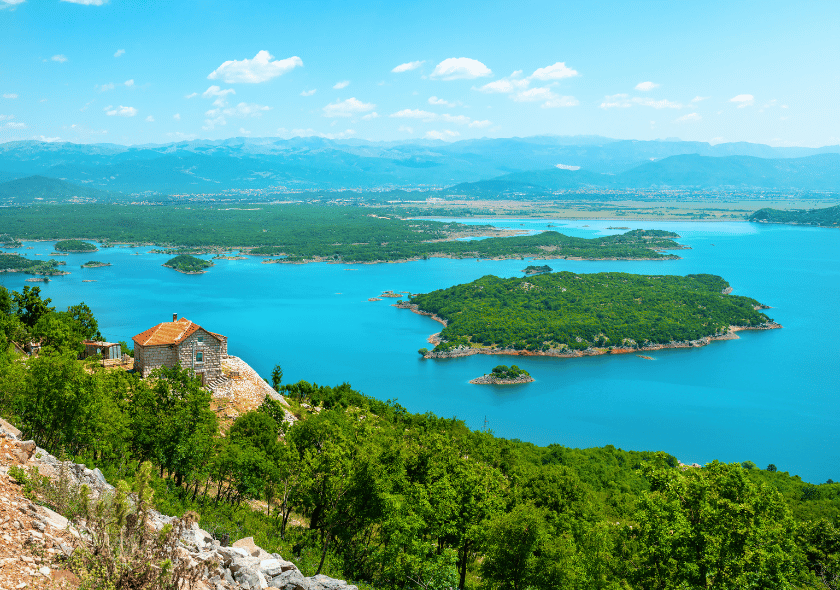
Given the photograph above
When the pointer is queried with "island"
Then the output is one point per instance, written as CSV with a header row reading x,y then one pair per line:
x,y
75,246
95,264
16,263
504,375
536,270
570,315
189,265
827,217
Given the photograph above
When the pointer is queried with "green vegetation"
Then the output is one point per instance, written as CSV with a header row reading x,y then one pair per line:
x,y
15,263
566,311
95,264
535,270
75,246
505,372
188,264
827,217
364,490
310,232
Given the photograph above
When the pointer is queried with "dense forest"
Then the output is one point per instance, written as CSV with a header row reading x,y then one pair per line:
x,y
567,311
309,232
362,489
188,264
827,217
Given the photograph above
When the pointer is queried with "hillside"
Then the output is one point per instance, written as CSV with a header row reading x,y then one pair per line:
x,y
40,189
827,217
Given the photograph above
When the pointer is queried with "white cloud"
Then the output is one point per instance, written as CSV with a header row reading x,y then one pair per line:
x,y
150,119
687,118
221,95
414,114
557,102
566,167
480,124
620,101
405,129
122,111
699,98
177,116
191,95
10,95
6,117
59,58
657,104
106,87
309,92
460,68
129,83
243,131
87,2
506,85
10,3
743,100
412,65
557,71
15,125
646,86
444,135
533,95
342,84
119,52
254,71
370,116
347,108
244,109
48,139
441,102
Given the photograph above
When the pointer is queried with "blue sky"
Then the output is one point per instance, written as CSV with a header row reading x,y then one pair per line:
x,y
147,71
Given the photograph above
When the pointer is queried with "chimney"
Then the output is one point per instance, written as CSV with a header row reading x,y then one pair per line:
x,y
174,317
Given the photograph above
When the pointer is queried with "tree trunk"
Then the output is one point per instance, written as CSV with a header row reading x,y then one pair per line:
x,y
323,553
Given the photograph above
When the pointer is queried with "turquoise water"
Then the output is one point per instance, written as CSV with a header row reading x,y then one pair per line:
x,y
770,397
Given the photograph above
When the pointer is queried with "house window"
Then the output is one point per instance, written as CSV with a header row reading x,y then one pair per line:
x,y
199,357
199,339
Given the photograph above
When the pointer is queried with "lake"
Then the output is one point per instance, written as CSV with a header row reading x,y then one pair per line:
x,y
769,397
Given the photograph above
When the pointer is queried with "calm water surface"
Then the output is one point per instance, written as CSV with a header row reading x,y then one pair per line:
x,y
770,397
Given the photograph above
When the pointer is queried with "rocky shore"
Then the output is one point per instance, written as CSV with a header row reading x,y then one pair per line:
x,y
730,334
36,541
491,379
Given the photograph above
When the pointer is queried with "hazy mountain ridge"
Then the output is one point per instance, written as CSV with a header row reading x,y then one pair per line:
x,y
314,163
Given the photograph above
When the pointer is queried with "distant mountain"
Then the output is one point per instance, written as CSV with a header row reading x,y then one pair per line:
x,y
819,172
313,163
38,189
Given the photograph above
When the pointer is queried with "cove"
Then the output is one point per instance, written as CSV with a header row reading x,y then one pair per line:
x,y
769,397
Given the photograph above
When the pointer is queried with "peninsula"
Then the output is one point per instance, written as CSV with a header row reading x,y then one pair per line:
x,y
15,263
570,315
189,265
827,217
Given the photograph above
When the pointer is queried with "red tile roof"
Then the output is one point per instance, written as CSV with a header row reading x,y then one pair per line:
x,y
170,333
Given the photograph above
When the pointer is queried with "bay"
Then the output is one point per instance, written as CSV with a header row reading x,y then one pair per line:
x,y
769,397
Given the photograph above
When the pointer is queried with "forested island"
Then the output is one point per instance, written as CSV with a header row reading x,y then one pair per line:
x,y
95,264
15,263
827,217
568,314
504,375
189,265
535,270
311,233
365,490
75,246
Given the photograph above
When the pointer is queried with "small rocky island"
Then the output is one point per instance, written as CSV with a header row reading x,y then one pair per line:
x,y
536,270
189,265
504,375
95,264
75,246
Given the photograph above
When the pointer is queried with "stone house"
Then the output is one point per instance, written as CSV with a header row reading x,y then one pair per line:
x,y
180,342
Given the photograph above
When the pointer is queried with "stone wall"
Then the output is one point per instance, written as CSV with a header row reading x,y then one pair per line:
x,y
207,344
149,358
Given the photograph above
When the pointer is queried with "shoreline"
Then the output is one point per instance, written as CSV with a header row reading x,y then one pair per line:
x,y
489,379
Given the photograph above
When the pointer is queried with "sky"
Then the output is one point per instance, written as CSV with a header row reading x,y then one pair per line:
x,y
157,71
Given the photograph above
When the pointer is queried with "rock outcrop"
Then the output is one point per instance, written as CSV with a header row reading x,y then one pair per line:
x,y
33,538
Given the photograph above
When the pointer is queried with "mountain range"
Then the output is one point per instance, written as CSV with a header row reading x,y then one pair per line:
x,y
484,166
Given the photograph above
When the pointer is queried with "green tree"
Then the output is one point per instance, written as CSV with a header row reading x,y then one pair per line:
x,y
276,377
29,305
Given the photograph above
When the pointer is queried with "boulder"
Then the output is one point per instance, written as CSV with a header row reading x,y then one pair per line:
x,y
253,550
289,580
322,582
248,578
